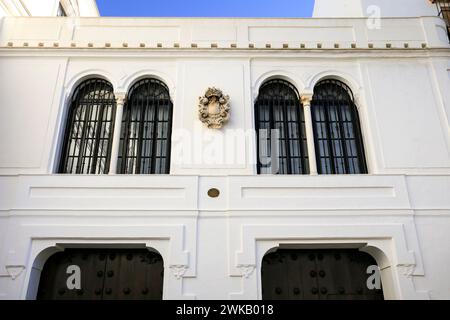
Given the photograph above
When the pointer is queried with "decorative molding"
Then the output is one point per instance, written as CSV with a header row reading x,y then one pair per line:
x,y
306,99
255,94
214,108
14,271
245,248
247,269
357,99
167,240
345,77
130,79
283,74
178,270
79,77
407,269
120,97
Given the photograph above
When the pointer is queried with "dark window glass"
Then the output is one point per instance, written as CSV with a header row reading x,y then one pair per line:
x,y
337,133
146,129
89,129
280,128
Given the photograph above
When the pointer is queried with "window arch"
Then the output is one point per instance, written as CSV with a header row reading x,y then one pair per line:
x,y
337,132
146,129
89,129
280,126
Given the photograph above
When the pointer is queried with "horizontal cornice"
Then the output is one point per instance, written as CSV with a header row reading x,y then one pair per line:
x,y
395,53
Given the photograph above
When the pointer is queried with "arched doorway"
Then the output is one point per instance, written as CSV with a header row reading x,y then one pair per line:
x,y
103,274
332,274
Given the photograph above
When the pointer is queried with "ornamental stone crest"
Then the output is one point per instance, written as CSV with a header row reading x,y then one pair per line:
x,y
214,108
178,270
247,270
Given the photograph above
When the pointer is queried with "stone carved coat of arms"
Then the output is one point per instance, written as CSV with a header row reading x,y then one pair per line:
x,y
214,108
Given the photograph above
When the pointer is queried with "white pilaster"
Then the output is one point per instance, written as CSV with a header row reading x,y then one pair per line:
x,y
120,102
306,101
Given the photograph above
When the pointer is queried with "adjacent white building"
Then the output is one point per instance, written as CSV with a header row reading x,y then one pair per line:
x,y
359,100
48,8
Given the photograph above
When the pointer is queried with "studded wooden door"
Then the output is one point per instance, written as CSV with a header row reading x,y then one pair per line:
x,y
104,275
317,275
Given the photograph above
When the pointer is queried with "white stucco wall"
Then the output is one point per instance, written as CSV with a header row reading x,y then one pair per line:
x,y
213,248
41,7
89,9
48,8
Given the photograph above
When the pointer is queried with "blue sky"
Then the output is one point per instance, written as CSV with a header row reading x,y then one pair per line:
x,y
206,8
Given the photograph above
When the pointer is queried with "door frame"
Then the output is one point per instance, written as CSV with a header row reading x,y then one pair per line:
x,y
302,253
394,286
90,280
42,249
397,252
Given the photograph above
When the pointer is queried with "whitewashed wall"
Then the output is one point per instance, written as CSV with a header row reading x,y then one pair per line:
x,y
48,8
399,212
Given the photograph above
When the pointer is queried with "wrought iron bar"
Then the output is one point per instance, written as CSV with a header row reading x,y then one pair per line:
x,y
278,107
89,124
337,131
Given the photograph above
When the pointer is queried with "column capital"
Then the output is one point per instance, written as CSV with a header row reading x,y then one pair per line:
x,y
306,99
120,97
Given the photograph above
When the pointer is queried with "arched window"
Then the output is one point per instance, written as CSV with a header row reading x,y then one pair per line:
x,y
337,132
280,127
88,138
146,129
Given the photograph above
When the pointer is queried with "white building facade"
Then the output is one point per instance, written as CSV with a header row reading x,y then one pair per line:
x,y
204,205
48,8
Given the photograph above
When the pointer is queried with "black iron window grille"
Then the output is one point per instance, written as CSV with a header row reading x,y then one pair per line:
x,y
89,129
337,132
280,127
443,7
146,129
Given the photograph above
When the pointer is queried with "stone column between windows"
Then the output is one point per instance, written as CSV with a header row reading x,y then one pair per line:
x,y
120,102
306,101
